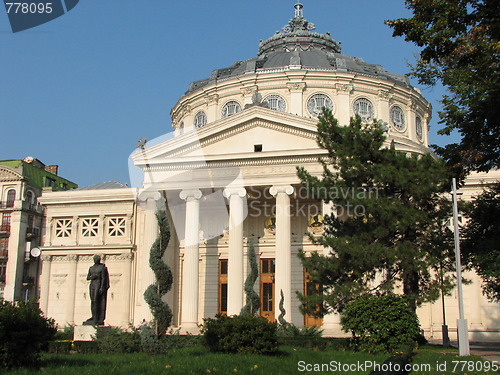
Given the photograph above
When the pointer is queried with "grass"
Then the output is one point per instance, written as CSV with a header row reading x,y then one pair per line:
x,y
195,361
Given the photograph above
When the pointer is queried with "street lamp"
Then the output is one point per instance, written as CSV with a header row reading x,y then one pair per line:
x,y
463,336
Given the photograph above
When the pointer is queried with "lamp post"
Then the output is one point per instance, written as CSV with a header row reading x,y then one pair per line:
x,y
463,336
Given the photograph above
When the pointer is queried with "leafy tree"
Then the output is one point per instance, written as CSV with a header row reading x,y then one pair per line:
x,y
480,247
390,230
460,42
252,304
153,295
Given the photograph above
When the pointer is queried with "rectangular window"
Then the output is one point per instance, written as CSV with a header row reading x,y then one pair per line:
x,y
4,247
268,266
6,217
3,269
267,297
50,182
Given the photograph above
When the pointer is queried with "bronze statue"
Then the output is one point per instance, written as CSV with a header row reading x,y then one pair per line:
x,y
98,288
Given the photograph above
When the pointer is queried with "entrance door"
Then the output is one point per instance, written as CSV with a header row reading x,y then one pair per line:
x,y
222,287
311,289
267,270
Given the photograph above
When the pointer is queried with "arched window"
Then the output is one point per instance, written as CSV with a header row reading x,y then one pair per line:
x,y
11,197
30,197
276,103
364,108
418,127
398,118
200,120
181,128
230,109
317,102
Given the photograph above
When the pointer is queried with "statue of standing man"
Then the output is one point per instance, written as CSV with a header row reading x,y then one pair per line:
x,y
99,285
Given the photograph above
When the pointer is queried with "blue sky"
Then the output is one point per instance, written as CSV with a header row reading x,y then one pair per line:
x,y
81,90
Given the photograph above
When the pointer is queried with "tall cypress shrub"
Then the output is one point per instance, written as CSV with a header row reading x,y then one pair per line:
x,y
153,295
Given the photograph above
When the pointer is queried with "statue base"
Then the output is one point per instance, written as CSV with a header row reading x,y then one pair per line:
x,y
87,332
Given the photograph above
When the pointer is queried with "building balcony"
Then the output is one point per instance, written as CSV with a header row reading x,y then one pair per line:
x,y
33,207
4,253
4,230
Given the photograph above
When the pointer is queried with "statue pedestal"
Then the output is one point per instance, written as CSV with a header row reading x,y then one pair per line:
x,y
87,333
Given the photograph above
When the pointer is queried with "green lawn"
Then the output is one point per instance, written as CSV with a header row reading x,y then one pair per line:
x,y
290,360
197,361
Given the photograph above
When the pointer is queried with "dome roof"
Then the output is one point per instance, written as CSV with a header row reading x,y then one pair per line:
x,y
298,47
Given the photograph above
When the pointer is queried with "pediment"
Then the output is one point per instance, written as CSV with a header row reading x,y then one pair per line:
x,y
239,136
8,174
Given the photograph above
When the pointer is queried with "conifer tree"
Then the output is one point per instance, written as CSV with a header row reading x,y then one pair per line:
x,y
390,228
153,295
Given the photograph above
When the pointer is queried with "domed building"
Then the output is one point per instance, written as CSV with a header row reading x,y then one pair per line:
x,y
228,181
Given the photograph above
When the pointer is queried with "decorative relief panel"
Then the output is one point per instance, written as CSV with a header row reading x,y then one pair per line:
x,y
116,226
63,228
90,227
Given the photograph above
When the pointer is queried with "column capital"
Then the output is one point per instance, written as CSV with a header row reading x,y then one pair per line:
x,y
145,195
190,193
287,189
240,191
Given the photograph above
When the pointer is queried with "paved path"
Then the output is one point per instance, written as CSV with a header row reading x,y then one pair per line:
x,y
489,350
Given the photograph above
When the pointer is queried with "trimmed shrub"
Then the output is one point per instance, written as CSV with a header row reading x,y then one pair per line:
x,y
115,340
24,332
150,343
86,347
67,333
291,330
240,334
380,323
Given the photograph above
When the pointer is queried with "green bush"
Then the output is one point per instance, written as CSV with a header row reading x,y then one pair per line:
x,y
60,347
174,340
115,340
291,330
24,332
67,333
240,334
86,347
151,343
380,323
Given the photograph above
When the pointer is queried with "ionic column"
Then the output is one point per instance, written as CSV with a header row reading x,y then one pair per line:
x,y
127,290
190,274
283,278
235,261
70,313
45,283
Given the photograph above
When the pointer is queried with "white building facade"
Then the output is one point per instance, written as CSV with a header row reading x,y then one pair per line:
x,y
228,179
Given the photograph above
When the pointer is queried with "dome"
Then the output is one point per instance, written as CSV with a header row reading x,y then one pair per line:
x,y
297,72
298,46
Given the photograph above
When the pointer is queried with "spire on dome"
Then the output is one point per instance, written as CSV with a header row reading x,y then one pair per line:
x,y
298,9
298,22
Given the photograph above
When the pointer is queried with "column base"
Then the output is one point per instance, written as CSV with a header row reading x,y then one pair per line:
x,y
189,329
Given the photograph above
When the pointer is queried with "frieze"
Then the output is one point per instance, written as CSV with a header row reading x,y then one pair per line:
x,y
248,91
344,88
119,257
384,94
296,86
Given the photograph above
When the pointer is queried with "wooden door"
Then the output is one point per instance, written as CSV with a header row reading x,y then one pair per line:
x,y
267,294
222,309
310,289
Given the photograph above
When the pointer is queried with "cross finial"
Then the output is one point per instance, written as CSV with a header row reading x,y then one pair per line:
x,y
298,9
